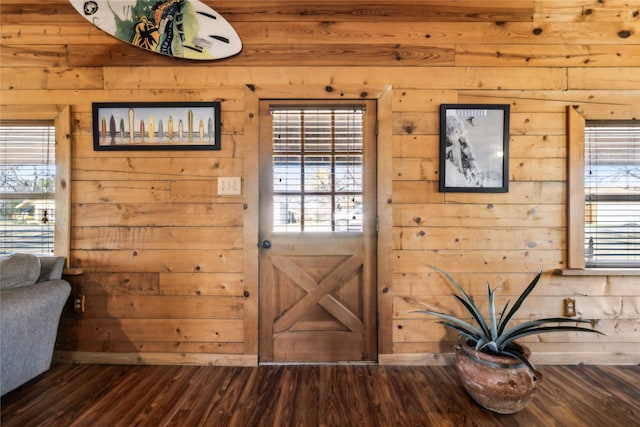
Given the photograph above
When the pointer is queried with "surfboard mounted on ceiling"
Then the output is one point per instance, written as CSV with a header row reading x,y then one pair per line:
x,y
178,28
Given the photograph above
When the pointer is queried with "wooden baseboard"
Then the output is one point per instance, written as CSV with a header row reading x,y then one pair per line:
x,y
438,359
196,359
585,358
416,359
407,359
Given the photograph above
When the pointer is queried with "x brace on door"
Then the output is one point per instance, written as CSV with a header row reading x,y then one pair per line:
x,y
319,293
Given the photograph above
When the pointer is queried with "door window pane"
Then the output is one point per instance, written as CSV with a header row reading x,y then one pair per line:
x,y
317,155
317,213
317,174
287,174
287,213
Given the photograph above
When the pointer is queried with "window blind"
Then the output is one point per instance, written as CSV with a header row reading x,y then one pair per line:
x,y
27,188
612,194
317,168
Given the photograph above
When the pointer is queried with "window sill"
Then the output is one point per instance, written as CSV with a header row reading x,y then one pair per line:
x,y
72,271
599,272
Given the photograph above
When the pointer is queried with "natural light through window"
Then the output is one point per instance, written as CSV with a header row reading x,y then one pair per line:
x,y
612,194
27,188
317,169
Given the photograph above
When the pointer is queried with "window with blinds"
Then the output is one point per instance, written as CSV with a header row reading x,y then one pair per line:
x,y
317,168
612,194
27,188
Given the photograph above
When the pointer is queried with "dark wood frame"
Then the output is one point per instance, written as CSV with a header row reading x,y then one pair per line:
x,y
199,122
481,132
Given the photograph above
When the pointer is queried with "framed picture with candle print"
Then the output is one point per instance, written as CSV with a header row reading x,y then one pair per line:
x,y
474,148
156,126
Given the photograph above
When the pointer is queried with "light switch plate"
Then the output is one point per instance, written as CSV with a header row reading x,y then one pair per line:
x,y
229,186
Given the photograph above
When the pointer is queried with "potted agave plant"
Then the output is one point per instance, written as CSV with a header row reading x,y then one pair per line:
x,y
495,369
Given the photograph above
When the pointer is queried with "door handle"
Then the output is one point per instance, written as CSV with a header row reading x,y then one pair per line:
x,y
266,244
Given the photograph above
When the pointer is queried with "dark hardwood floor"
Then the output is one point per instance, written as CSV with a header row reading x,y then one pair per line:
x,y
317,395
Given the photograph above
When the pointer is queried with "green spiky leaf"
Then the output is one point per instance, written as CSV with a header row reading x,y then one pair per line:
x,y
544,329
519,302
475,313
464,331
466,325
492,314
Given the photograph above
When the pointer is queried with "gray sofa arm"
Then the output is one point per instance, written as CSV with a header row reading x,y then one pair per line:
x,y
51,267
29,319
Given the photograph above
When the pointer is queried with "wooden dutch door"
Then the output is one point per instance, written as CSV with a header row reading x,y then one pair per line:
x,y
317,232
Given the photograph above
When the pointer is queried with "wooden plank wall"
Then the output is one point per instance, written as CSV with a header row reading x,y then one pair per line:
x,y
170,272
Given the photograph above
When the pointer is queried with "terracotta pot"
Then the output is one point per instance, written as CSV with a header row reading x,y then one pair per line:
x,y
501,384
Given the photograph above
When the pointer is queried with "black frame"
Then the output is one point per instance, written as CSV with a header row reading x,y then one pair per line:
x,y
193,126
479,133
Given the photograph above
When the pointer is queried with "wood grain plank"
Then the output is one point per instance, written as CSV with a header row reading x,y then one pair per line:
x,y
520,169
230,147
112,412
149,261
603,78
157,214
586,10
412,169
156,330
67,346
538,169
421,192
35,56
613,102
434,284
163,307
121,192
521,192
228,284
162,238
387,31
201,191
102,283
548,147
480,215
502,238
51,78
520,123
132,169
230,98
548,56
606,308
366,10
422,100
479,260
399,54
332,346
441,352
118,78
575,189
429,10
418,146
310,395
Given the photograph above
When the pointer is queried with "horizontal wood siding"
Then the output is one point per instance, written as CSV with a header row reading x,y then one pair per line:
x,y
170,266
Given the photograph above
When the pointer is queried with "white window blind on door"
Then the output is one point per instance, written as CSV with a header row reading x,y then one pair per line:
x,y
317,168
612,194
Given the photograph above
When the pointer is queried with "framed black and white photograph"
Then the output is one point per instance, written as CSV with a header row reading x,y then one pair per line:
x,y
474,148
156,126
